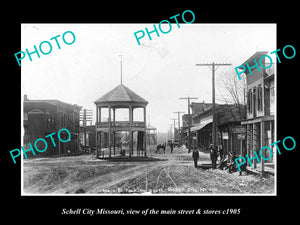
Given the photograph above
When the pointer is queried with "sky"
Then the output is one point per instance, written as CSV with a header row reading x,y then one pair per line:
x,y
160,70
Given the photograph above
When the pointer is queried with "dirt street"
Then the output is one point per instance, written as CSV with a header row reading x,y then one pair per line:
x,y
158,174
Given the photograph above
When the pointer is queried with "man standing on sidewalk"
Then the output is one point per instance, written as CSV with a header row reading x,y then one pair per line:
x,y
171,146
213,156
195,156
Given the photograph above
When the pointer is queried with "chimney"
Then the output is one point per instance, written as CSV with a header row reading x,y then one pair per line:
x,y
25,98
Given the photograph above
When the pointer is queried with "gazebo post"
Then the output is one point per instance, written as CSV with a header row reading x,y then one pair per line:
x,y
114,141
96,137
99,145
145,144
109,130
130,130
114,133
96,141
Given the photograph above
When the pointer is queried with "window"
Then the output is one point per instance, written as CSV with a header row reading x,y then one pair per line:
x,y
138,114
254,102
249,101
25,116
259,98
272,98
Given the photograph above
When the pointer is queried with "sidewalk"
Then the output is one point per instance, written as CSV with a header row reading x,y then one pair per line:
x,y
269,168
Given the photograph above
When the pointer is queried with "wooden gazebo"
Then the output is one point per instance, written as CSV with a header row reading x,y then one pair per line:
x,y
118,98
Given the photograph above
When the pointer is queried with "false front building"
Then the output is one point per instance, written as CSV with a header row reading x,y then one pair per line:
x,y
260,121
109,125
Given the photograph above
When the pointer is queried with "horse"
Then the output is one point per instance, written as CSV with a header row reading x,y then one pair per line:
x,y
158,147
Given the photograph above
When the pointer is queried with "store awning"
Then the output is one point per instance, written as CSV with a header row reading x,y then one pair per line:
x,y
202,124
258,119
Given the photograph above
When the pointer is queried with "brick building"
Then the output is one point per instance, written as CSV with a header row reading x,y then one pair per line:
x,y
43,117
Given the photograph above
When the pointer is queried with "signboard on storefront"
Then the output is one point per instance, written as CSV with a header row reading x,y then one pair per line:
x,y
225,135
241,136
239,130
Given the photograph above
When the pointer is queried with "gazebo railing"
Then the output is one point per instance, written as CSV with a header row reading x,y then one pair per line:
x,y
120,124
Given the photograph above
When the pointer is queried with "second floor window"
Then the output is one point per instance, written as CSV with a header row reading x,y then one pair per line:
x,y
259,98
249,101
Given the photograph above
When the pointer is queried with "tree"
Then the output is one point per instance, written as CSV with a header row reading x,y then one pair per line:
x,y
232,91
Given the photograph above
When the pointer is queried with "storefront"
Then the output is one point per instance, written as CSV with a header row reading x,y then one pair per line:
x,y
260,132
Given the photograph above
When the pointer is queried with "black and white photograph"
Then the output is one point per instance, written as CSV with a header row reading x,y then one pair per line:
x,y
156,109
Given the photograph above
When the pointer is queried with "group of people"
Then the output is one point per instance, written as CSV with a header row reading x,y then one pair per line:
x,y
214,153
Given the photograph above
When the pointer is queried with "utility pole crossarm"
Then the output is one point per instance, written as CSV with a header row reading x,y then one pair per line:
x,y
188,98
216,64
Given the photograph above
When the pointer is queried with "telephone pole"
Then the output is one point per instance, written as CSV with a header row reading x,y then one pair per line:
x,y
212,66
179,135
189,122
174,127
121,56
170,132
85,115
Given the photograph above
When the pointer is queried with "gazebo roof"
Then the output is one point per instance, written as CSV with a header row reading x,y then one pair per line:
x,y
121,93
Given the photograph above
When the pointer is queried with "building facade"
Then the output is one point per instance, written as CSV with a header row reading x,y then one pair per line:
x,y
197,108
87,136
230,132
260,121
43,117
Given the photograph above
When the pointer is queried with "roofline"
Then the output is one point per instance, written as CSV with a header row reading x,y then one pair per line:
x,y
271,76
256,55
112,102
52,102
121,103
209,109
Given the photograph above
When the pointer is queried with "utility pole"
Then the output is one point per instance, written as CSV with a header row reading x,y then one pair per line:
x,y
189,122
121,71
212,66
170,132
174,127
179,135
85,115
121,57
